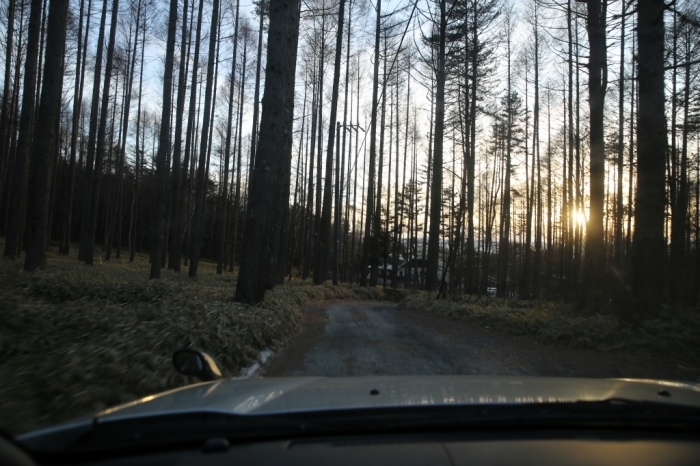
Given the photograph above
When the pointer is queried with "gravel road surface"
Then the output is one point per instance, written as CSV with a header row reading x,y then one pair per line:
x,y
370,338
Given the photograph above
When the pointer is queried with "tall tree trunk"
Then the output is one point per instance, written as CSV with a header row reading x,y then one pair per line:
x,y
471,159
619,208
536,163
101,137
135,211
323,251
525,277
201,192
237,200
679,264
115,233
504,243
261,6
223,203
49,112
597,84
345,130
649,245
77,110
192,122
319,155
92,136
368,242
177,201
6,94
307,231
679,225
266,203
436,188
377,220
158,231
19,179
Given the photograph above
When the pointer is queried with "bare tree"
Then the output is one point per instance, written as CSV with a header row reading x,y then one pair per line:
x,y
48,115
158,232
261,239
649,246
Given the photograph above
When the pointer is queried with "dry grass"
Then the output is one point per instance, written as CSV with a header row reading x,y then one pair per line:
x,y
75,339
673,336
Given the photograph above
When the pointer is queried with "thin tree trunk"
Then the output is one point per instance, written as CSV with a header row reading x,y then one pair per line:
x,y
7,87
619,208
118,214
436,188
308,235
368,242
77,109
237,201
200,195
158,231
262,4
175,239
192,121
19,179
223,200
135,215
101,136
92,136
324,241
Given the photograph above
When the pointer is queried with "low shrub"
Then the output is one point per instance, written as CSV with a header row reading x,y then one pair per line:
x,y
75,339
558,323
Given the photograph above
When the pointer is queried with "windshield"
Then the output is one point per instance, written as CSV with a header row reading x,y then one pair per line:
x,y
344,188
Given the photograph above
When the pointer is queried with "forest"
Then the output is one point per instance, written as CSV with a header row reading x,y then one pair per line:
x,y
530,149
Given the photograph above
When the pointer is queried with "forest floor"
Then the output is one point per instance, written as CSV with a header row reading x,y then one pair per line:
x,y
674,336
75,339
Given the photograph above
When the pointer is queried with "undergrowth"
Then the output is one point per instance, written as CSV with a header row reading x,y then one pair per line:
x,y
673,336
76,339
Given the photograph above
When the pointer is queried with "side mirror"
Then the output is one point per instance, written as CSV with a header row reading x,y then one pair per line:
x,y
196,363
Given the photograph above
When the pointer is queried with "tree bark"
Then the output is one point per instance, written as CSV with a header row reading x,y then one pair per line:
x,y
92,136
101,136
223,203
324,241
175,240
597,83
436,188
6,97
200,195
261,5
19,179
77,110
261,240
135,210
649,246
368,242
49,112
158,231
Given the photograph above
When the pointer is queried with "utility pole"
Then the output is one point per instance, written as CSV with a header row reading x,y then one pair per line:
x,y
340,162
336,229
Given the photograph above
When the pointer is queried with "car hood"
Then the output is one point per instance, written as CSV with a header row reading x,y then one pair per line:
x,y
285,395
289,394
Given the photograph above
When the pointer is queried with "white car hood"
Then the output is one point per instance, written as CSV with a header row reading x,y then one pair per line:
x,y
286,395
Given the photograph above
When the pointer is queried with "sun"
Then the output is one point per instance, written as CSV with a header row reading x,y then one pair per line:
x,y
579,217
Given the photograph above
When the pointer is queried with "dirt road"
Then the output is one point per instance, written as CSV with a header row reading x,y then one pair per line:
x,y
369,338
